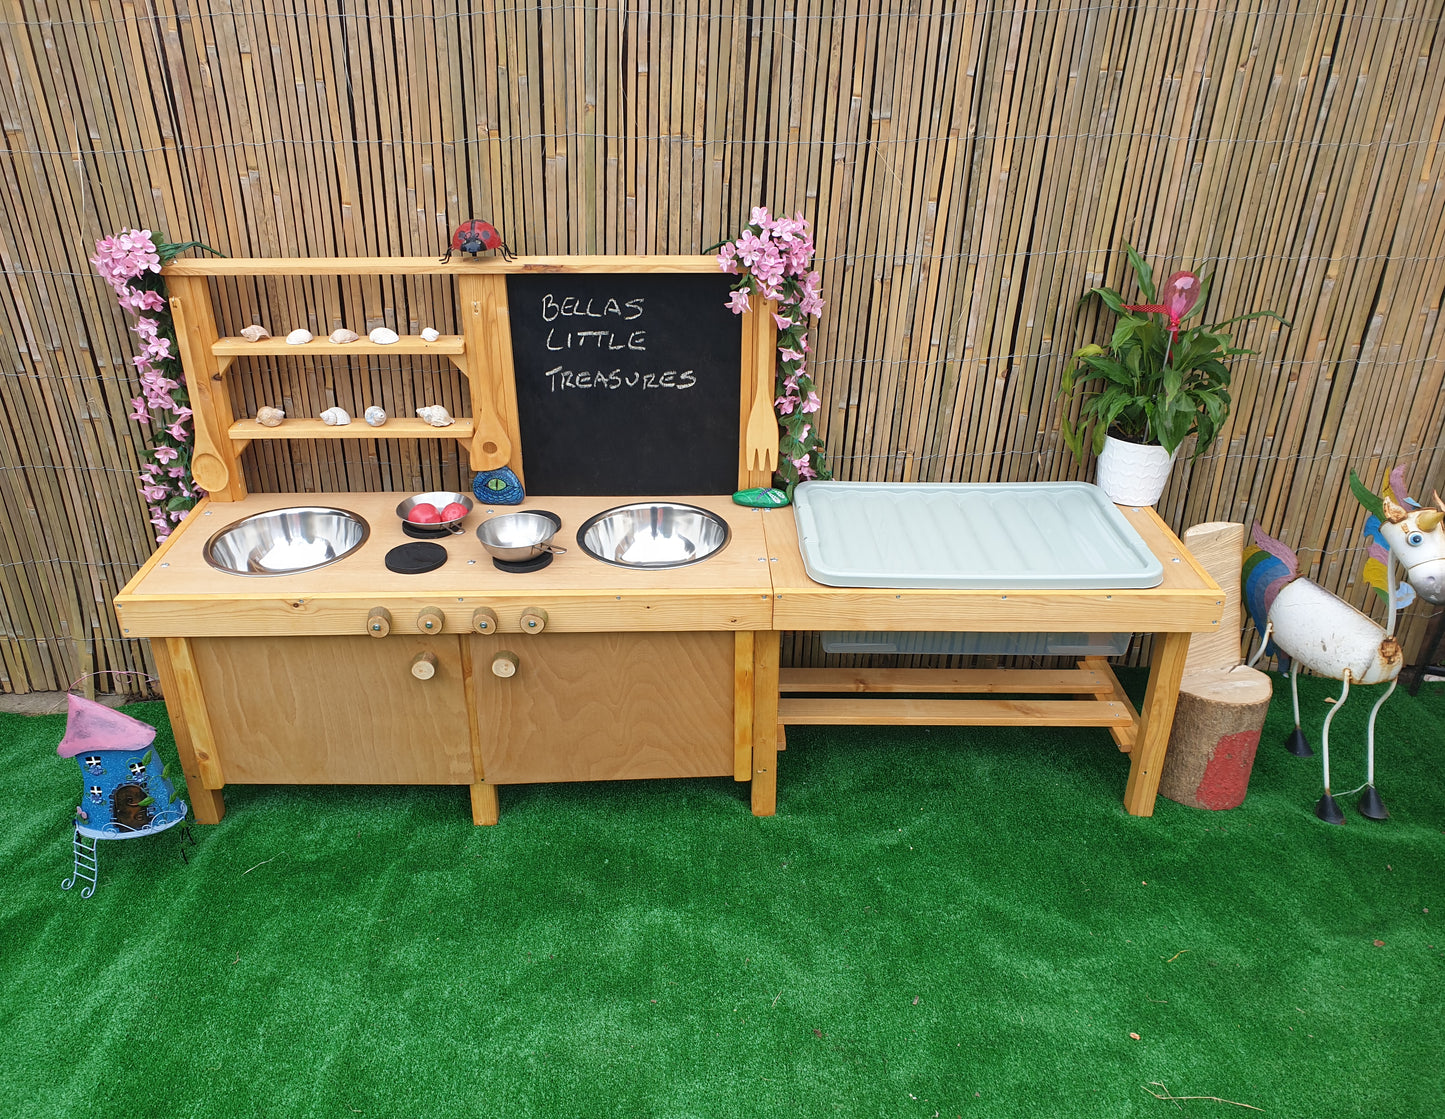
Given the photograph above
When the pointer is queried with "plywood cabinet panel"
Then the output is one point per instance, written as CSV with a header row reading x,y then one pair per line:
x,y
336,710
604,706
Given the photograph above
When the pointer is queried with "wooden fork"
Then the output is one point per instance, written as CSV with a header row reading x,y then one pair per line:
x,y
761,437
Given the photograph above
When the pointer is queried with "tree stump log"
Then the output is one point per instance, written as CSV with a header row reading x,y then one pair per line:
x,y
1215,735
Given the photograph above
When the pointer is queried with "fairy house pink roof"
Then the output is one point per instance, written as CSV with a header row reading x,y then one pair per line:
x,y
91,727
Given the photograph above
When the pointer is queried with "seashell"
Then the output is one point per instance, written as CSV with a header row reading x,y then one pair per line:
x,y
435,415
335,417
254,333
431,334
384,336
299,337
269,417
341,335
375,416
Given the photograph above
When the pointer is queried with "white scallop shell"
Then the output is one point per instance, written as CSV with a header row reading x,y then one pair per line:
x,y
341,335
299,337
375,416
431,334
384,336
269,417
254,333
435,415
335,417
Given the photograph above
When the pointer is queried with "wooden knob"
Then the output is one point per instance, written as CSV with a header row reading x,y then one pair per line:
x,y
504,665
378,621
430,619
534,620
424,665
485,620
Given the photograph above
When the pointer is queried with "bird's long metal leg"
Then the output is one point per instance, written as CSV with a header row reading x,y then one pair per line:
x,y
1326,808
1370,804
1297,744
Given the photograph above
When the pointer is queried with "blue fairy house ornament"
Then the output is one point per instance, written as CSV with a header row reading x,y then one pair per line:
x,y
126,789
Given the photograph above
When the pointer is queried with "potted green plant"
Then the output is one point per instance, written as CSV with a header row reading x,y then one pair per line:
x,y
1153,385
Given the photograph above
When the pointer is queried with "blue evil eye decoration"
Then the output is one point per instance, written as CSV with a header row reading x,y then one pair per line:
x,y
1415,539
498,487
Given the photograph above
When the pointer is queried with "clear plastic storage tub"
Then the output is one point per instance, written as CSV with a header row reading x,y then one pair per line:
x,y
977,644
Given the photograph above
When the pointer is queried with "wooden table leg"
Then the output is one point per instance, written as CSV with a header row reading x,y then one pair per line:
x,y
485,810
1156,717
192,728
484,804
765,723
743,666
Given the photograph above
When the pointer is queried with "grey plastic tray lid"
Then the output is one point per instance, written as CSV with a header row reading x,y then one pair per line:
x,y
951,535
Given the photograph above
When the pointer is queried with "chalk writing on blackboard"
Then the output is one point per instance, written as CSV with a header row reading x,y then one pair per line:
x,y
560,380
626,384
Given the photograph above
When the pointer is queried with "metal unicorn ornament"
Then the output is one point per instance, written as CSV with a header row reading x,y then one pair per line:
x,y
1328,636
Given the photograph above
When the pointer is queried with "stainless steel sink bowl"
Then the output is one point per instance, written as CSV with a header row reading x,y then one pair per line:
x,y
653,534
286,541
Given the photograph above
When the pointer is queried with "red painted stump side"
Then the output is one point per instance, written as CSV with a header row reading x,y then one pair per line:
x,y
1213,743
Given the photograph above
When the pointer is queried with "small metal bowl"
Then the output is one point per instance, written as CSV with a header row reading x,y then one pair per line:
x,y
286,541
441,499
521,536
653,535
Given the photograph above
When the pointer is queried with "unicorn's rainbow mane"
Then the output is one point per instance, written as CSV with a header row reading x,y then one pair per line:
x,y
1268,567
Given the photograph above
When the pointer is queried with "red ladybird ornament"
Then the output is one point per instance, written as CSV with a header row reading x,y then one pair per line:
x,y
472,237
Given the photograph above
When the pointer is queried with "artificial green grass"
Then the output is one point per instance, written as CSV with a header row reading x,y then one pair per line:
x,y
937,922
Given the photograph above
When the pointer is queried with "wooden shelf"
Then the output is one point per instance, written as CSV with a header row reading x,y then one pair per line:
x,y
459,266
401,428
448,345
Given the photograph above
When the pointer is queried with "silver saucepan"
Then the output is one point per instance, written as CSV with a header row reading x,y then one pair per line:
x,y
441,499
521,536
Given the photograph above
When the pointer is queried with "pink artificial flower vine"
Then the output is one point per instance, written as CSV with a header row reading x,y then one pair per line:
x,y
773,257
131,262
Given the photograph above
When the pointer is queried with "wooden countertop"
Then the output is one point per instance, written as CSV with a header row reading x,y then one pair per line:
x,y
1187,600
177,594
757,582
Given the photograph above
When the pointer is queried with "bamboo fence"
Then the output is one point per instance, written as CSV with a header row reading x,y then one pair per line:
x,y
970,172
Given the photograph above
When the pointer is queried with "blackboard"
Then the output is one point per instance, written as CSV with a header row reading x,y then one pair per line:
x,y
627,384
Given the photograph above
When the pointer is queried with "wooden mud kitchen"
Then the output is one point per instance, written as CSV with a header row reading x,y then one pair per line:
x,y
297,643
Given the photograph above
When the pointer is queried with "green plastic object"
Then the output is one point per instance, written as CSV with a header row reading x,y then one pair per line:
x,y
761,497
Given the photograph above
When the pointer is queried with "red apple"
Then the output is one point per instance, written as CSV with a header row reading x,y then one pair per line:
x,y
454,512
425,514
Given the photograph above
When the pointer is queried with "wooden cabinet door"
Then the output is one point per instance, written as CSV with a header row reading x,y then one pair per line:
x,y
604,706
336,710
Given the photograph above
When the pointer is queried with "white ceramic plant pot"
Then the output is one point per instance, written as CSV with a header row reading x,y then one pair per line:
x,y
1133,473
